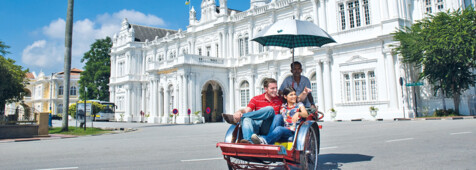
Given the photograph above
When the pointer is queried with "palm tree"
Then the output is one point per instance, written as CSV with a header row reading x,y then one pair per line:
x,y
67,62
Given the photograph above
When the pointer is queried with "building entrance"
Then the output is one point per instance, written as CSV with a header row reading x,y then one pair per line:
x,y
212,98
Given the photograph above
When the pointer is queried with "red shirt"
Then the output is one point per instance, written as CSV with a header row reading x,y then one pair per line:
x,y
260,101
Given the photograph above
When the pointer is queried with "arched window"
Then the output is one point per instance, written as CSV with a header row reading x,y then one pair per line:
x,y
244,93
60,90
72,91
59,109
314,87
27,93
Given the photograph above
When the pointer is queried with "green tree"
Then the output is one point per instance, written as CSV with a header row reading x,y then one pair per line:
x,y
12,79
97,70
443,46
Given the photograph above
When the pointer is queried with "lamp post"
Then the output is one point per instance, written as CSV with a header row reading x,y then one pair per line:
x,y
85,94
403,99
51,92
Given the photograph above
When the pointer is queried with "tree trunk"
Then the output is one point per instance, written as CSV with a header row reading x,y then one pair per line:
x,y
2,108
67,63
456,100
443,98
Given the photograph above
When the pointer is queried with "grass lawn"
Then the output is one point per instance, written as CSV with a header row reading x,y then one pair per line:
x,y
78,131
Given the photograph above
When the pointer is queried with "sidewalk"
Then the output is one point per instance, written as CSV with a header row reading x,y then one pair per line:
x,y
49,137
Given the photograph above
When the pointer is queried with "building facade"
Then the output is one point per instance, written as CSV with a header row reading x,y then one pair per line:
x,y
214,67
45,93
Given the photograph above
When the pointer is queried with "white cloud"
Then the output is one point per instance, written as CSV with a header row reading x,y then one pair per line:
x,y
133,17
49,52
42,54
55,29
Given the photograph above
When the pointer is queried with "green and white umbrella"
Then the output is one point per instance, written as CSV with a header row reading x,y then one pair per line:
x,y
292,33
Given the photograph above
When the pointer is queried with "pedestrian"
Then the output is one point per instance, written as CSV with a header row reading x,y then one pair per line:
x,y
142,116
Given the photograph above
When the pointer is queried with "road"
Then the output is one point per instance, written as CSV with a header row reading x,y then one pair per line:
x,y
436,144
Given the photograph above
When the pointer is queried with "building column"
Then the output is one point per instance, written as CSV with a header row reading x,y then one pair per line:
x,y
194,92
165,117
315,11
155,103
323,14
143,106
327,85
384,9
112,94
175,103
183,115
160,101
127,103
252,85
231,96
393,8
320,87
391,79
186,105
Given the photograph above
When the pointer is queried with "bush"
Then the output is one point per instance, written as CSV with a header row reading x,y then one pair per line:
x,y
443,113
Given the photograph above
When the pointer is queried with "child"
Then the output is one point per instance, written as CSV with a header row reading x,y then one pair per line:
x,y
291,111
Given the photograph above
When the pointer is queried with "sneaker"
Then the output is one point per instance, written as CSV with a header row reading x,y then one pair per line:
x,y
256,139
229,118
245,141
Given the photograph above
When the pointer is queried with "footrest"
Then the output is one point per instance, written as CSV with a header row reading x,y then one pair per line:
x,y
252,150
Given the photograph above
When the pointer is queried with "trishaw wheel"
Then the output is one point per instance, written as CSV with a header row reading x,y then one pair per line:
x,y
309,156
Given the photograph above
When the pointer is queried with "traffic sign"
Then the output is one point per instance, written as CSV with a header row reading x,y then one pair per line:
x,y
414,84
208,110
175,111
189,111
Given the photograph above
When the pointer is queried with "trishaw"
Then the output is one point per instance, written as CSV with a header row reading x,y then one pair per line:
x,y
300,151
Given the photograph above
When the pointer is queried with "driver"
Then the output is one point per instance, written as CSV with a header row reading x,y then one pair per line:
x,y
300,83
259,116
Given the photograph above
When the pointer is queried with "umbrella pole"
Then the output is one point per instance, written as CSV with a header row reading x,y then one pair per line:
x,y
293,55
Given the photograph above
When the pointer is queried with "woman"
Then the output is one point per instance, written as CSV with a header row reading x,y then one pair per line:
x,y
291,111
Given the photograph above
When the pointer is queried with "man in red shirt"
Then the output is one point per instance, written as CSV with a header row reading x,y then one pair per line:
x,y
261,114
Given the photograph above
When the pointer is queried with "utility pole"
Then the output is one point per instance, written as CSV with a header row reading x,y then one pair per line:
x,y
51,91
67,62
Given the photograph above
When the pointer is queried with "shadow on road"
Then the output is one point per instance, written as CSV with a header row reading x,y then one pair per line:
x,y
335,160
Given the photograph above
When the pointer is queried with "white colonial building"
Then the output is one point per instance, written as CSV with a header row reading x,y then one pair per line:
x,y
213,64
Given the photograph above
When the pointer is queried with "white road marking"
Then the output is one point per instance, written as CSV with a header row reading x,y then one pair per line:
x,y
206,159
332,147
398,140
459,133
59,168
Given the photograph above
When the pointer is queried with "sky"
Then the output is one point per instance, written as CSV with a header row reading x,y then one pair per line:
x,y
35,29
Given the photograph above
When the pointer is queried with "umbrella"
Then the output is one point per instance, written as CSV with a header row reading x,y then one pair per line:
x,y
292,33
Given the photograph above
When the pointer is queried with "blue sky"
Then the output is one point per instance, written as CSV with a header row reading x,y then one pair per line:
x,y
34,29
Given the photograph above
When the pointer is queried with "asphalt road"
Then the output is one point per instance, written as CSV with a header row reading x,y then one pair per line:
x,y
436,144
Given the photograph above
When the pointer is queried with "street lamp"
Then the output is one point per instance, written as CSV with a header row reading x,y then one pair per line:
x,y
51,92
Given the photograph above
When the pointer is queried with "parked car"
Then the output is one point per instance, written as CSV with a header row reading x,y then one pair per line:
x,y
56,117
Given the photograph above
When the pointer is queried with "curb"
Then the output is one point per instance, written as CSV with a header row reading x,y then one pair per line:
x,y
61,136
403,119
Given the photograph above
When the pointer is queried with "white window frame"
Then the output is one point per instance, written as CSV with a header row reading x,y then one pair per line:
x,y
314,87
359,88
244,93
72,91
60,90
353,14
